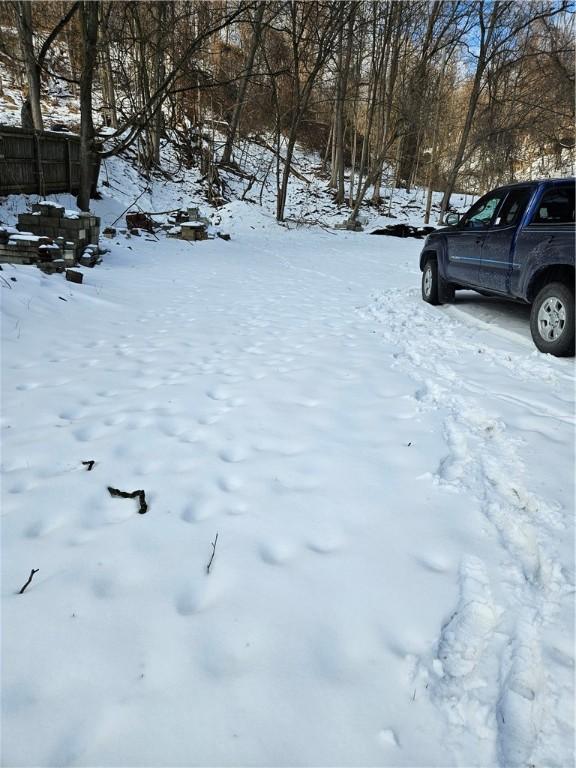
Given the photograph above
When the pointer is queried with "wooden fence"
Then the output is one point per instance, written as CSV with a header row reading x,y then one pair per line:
x,y
38,162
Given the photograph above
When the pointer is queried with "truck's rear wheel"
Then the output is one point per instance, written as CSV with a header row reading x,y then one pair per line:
x,y
552,320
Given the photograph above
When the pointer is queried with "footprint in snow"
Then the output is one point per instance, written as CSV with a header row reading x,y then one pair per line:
x,y
88,433
233,455
28,386
207,419
388,738
104,587
434,562
198,597
218,393
236,509
230,483
198,509
326,542
466,633
44,526
277,552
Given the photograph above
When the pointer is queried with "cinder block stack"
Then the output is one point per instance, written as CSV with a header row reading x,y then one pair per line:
x,y
72,231
26,248
193,230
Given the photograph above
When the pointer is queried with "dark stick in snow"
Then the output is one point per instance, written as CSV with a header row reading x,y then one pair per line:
x,y
89,464
213,553
32,572
131,495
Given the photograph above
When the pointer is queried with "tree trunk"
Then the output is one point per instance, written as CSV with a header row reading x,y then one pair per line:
x,y
107,77
157,123
283,191
23,11
233,128
486,36
89,42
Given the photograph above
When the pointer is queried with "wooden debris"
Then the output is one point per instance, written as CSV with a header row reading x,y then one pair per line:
x,y
73,276
32,572
138,220
213,553
140,495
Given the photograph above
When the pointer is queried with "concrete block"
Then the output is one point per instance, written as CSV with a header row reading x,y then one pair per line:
x,y
16,259
73,224
52,211
73,276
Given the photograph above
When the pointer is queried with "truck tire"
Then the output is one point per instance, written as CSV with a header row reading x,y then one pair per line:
x,y
430,282
434,289
552,320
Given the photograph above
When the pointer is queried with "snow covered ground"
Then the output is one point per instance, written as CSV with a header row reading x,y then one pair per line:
x,y
391,485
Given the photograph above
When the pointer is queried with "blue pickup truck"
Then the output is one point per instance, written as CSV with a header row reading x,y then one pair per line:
x,y
516,242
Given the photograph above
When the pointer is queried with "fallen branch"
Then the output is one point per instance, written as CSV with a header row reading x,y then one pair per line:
x,y
131,495
213,553
89,464
130,206
32,572
160,213
310,223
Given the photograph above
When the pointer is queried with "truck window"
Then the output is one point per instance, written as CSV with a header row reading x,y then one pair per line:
x,y
555,207
482,212
513,207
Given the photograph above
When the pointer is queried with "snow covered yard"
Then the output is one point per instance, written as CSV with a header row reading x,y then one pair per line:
x,y
391,485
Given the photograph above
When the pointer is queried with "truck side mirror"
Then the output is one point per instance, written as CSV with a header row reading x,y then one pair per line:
x,y
452,219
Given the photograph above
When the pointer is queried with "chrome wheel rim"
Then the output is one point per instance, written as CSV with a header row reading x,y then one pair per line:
x,y
427,281
551,319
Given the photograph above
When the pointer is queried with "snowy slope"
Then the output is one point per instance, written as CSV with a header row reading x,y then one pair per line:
x,y
391,485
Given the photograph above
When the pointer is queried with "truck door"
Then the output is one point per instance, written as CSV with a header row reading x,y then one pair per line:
x,y
464,242
543,239
496,261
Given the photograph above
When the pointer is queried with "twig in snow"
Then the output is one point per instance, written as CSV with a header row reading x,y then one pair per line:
x,y
213,553
131,495
89,464
6,281
32,572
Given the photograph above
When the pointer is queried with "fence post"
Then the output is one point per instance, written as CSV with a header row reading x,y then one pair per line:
x,y
38,161
68,166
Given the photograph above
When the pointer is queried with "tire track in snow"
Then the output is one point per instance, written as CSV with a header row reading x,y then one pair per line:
x,y
482,640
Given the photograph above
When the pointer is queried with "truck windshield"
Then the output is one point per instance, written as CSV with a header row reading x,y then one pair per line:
x,y
482,212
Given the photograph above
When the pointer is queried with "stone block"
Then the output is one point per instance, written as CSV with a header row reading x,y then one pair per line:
x,y
73,276
193,231
45,209
51,267
28,220
16,259
73,224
